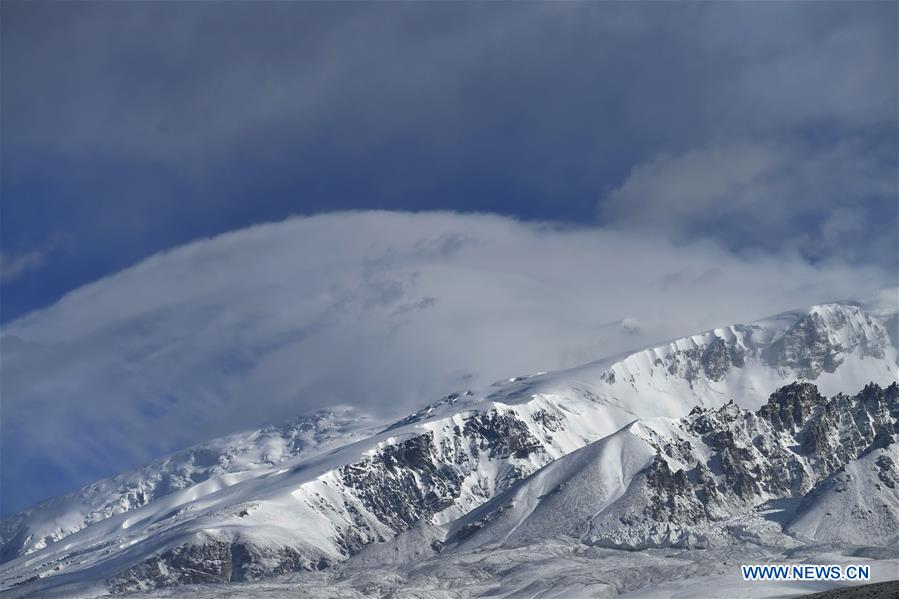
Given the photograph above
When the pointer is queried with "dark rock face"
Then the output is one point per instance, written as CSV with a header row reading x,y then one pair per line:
x,y
502,436
887,473
789,407
718,358
209,562
675,499
809,347
794,442
713,361
415,478
686,363
806,348
549,421
844,427
404,482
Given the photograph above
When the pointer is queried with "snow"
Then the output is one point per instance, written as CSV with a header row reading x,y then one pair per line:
x,y
559,498
857,505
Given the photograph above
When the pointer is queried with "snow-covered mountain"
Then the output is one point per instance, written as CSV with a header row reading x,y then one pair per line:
x,y
235,510
691,482
203,469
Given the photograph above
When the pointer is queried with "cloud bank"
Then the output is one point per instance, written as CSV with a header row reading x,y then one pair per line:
x,y
819,201
134,127
382,310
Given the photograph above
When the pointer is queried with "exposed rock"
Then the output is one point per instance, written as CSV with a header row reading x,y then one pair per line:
x,y
716,360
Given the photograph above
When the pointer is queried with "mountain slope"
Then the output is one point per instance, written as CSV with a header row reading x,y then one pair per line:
x,y
858,504
439,464
203,468
690,482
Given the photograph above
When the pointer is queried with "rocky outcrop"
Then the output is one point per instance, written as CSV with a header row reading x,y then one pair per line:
x,y
210,561
819,341
719,356
733,460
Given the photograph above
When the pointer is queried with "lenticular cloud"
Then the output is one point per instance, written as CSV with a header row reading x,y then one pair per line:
x,y
383,311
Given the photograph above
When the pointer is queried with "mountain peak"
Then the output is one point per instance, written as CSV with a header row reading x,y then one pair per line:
x,y
789,407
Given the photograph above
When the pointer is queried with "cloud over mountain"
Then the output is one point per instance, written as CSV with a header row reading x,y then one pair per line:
x,y
381,310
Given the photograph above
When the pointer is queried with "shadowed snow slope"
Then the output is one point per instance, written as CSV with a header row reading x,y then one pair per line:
x,y
316,492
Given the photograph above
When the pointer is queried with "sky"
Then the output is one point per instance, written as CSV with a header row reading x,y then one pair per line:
x,y
214,215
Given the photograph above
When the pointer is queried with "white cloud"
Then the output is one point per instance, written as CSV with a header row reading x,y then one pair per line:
x,y
13,266
772,195
383,310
